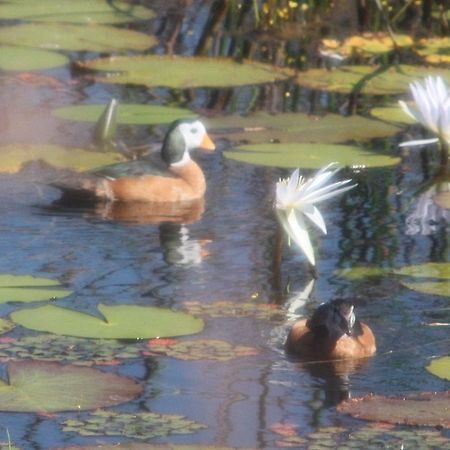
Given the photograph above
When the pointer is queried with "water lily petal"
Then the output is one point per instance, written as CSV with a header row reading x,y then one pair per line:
x,y
328,192
419,142
315,217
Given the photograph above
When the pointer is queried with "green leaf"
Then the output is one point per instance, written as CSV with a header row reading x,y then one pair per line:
x,y
25,288
343,79
183,72
13,156
79,11
392,114
440,367
56,36
50,387
20,59
435,50
430,287
120,322
428,270
131,113
362,272
298,127
309,156
5,326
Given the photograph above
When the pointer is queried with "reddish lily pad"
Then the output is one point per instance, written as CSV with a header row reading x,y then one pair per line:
x,y
75,37
440,367
50,387
183,72
427,408
142,425
206,349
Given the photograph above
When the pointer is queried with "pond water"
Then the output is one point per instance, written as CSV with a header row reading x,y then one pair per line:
x,y
227,250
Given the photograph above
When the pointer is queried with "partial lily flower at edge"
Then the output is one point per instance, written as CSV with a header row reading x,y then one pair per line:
x,y
296,198
431,109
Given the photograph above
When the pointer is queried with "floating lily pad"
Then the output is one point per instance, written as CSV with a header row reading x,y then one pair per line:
x,y
428,408
139,446
13,156
435,50
25,288
58,36
79,351
430,287
20,58
343,79
206,349
428,270
79,11
126,113
361,273
297,127
142,425
225,308
49,387
392,114
118,322
183,72
309,156
440,367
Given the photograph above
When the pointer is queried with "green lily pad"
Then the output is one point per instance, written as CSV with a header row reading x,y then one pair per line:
x,y
297,127
428,270
25,288
440,367
50,387
142,425
130,113
395,80
435,50
206,349
430,287
78,351
428,408
361,273
183,72
13,156
119,322
308,156
20,59
224,308
58,36
392,114
79,11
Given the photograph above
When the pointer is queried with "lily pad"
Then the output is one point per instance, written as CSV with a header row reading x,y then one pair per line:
x,y
435,50
224,308
393,81
6,325
309,156
130,113
440,367
79,11
20,59
118,322
79,351
25,288
13,156
142,425
50,387
201,349
392,114
297,127
428,408
430,287
428,270
361,272
183,72
58,36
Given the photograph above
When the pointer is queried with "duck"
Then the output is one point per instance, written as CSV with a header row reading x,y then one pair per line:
x,y
174,177
332,332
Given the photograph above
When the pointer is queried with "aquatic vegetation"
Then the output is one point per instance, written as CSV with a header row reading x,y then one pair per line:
x,y
112,322
297,196
440,367
37,386
20,58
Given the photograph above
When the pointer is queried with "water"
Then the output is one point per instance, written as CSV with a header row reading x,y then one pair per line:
x,y
227,250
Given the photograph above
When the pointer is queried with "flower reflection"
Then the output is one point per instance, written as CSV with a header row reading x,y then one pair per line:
x,y
296,197
431,208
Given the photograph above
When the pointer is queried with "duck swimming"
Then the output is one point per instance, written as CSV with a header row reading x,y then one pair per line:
x,y
332,332
175,177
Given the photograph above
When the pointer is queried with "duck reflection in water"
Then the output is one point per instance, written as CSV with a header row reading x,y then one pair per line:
x,y
332,343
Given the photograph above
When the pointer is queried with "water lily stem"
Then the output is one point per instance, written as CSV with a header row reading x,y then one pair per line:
x,y
444,157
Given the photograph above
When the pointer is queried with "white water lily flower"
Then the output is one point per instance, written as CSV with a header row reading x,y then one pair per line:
x,y
296,197
431,109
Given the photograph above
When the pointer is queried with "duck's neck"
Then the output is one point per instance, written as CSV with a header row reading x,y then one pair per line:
x,y
192,174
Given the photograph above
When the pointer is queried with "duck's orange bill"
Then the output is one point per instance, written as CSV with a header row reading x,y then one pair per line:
x,y
207,143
